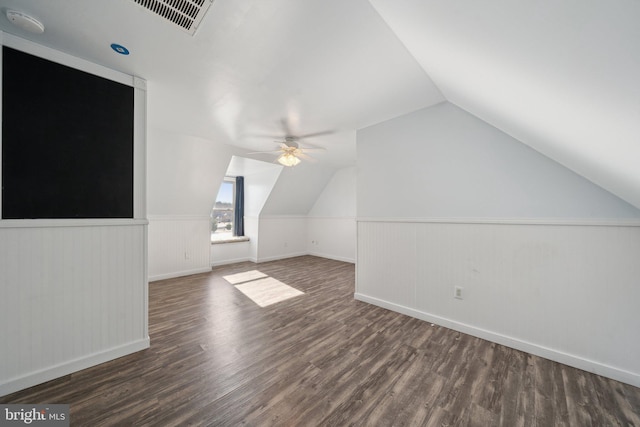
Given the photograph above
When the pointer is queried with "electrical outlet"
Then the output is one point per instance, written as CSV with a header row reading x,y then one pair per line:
x,y
458,292
286,244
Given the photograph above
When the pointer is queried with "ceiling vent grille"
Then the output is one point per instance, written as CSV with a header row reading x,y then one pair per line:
x,y
187,14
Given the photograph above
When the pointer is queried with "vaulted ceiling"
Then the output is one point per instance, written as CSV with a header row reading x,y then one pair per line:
x,y
560,76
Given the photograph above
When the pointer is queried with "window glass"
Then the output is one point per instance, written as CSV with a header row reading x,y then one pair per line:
x,y
222,213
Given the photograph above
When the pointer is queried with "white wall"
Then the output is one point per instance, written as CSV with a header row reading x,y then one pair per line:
x,y
443,162
565,292
338,198
331,224
259,180
311,210
282,224
230,253
286,234
333,238
277,201
297,189
73,292
185,173
281,237
547,260
251,227
178,245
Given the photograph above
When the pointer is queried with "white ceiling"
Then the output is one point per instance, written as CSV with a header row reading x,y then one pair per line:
x,y
561,76
321,65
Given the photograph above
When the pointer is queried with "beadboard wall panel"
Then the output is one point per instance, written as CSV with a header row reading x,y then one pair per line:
x,y
567,292
285,236
230,253
388,272
281,237
251,230
332,237
71,297
178,246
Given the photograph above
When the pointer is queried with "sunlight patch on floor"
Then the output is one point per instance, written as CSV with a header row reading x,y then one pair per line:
x,y
247,276
262,289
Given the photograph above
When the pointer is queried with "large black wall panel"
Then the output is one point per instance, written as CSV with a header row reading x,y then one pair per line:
x,y
67,141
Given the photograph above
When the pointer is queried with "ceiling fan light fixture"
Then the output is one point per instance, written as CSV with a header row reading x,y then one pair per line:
x,y
288,159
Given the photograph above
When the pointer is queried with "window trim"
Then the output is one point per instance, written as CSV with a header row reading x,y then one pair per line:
x,y
234,239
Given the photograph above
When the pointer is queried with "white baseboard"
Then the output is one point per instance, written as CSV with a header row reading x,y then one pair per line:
x,y
535,349
179,274
336,258
278,257
71,366
231,261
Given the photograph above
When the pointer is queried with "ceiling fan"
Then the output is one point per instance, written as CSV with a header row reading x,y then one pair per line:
x,y
290,151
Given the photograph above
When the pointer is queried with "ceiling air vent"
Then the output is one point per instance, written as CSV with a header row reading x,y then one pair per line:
x,y
187,14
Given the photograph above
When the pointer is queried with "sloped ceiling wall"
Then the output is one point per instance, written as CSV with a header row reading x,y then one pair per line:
x,y
259,180
338,198
559,76
461,167
184,173
297,190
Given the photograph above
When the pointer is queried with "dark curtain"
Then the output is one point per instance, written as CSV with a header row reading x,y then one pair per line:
x,y
238,213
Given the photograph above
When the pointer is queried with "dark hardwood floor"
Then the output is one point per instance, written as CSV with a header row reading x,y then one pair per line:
x,y
217,358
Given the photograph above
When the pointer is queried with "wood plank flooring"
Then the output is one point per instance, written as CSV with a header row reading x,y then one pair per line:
x,y
218,359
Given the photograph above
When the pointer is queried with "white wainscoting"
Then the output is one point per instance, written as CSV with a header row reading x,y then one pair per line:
x,y
281,237
332,237
251,230
72,294
179,245
230,253
564,291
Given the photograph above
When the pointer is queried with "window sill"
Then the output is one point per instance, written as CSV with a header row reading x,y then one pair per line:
x,y
230,240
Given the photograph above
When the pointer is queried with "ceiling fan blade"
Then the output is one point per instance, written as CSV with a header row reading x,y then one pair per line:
x,y
307,158
313,149
264,135
266,152
314,134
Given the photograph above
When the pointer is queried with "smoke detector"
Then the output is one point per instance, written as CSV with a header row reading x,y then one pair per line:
x,y
24,21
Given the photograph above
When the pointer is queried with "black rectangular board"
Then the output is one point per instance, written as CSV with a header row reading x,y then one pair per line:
x,y
67,141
